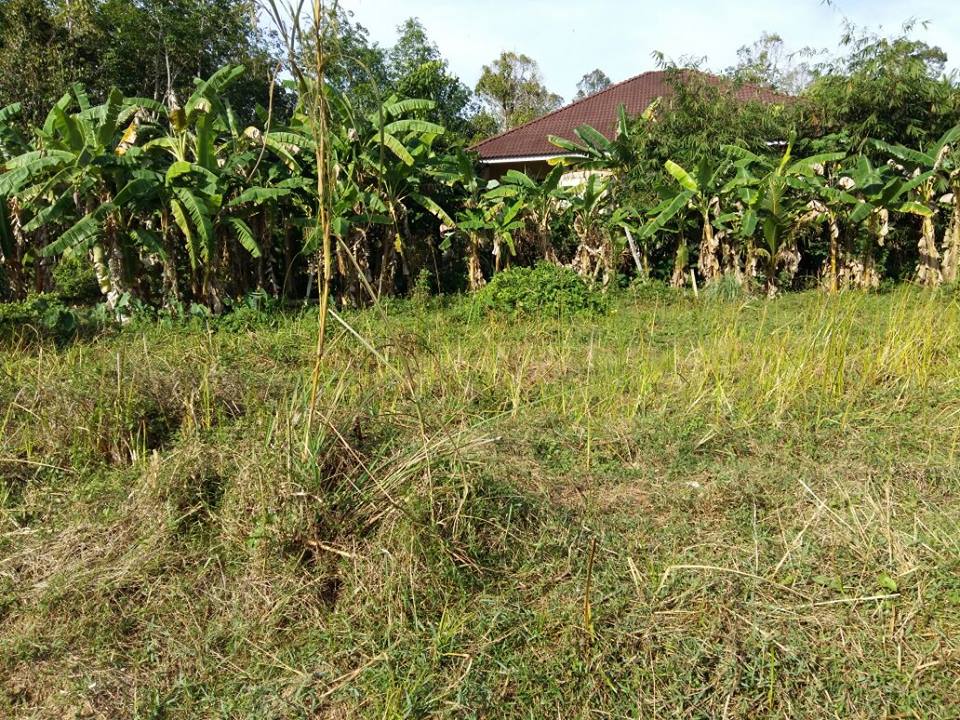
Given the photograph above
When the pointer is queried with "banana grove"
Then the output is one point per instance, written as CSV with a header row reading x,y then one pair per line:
x,y
181,205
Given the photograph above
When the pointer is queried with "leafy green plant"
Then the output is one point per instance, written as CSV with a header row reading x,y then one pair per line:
x,y
421,292
544,289
39,317
75,280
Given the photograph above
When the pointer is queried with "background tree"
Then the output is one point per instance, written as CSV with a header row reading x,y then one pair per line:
x,y
417,70
592,83
892,89
359,67
144,49
512,89
768,63
37,61
412,49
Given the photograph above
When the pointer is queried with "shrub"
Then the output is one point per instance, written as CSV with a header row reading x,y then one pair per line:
x,y
727,288
543,289
75,280
654,291
421,292
38,317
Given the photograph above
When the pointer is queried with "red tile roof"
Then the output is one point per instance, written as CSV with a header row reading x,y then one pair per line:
x,y
600,111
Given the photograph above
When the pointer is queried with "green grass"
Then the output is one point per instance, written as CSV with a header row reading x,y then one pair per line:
x,y
679,509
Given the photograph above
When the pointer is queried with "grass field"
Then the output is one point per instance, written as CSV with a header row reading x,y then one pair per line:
x,y
681,509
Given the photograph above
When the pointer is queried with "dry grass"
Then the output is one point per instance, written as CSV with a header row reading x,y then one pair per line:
x,y
771,489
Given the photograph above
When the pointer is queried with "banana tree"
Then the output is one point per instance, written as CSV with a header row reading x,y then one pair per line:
x,y
862,201
597,153
459,171
503,220
541,203
704,190
629,221
213,181
13,248
80,177
775,197
595,252
396,161
659,218
490,214
939,166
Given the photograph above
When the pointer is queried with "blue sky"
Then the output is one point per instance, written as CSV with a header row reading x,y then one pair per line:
x,y
571,37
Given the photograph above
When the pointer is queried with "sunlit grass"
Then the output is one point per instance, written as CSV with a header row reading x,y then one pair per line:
x,y
771,489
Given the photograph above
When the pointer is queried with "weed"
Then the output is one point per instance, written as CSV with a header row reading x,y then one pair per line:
x,y
545,289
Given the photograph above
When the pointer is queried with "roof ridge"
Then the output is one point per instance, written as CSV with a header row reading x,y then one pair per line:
x,y
565,107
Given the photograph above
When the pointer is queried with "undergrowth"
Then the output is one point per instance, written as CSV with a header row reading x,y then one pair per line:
x,y
545,289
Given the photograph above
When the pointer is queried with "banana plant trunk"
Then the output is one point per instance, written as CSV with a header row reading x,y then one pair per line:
x,y
834,253
582,261
709,249
641,261
951,254
730,257
386,284
171,277
679,277
750,261
354,268
475,279
102,271
546,246
929,270
109,265
879,225
16,275
606,256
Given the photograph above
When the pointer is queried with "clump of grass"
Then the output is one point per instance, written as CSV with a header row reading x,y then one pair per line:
x,y
680,508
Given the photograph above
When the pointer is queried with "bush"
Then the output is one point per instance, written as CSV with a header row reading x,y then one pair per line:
x,y
421,293
727,288
654,291
39,317
543,289
75,280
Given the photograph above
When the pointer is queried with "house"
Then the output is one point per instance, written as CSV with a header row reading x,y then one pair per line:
x,y
527,147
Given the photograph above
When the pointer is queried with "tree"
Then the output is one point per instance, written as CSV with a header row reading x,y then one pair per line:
x,y
768,64
14,251
933,171
541,203
704,188
696,120
592,83
890,89
354,64
144,49
412,49
79,181
513,90
775,194
595,253
156,49
36,62
417,70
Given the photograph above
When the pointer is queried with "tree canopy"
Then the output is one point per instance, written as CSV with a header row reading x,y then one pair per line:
x,y
592,83
512,89
150,50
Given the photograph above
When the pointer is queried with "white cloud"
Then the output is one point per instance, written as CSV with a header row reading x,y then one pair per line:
x,y
571,37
